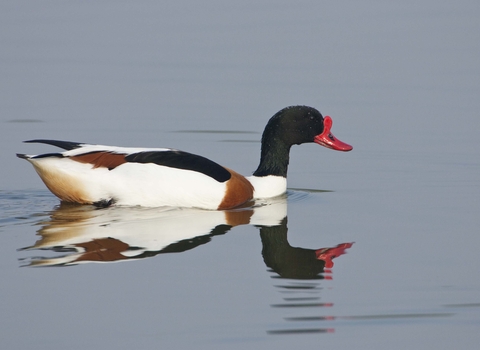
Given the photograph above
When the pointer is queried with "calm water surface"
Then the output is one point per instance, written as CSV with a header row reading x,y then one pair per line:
x,y
372,249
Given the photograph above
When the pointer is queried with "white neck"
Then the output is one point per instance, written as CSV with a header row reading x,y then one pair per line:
x,y
268,186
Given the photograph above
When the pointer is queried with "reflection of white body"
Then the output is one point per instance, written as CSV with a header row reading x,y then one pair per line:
x,y
143,229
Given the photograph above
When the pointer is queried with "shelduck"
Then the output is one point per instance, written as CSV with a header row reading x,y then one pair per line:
x,y
152,177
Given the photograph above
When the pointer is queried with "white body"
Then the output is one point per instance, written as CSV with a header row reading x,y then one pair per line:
x,y
148,185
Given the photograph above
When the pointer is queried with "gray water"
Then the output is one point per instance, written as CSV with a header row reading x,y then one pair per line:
x,y
399,212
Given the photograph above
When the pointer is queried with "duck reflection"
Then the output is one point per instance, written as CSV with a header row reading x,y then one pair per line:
x,y
296,263
83,234
300,269
86,235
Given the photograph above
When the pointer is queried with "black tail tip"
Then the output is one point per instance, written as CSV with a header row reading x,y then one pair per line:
x,y
67,145
22,156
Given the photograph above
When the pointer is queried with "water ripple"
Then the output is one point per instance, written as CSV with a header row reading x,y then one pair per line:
x,y
26,206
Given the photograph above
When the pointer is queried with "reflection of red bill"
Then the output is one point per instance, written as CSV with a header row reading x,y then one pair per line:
x,y
327,254
327,139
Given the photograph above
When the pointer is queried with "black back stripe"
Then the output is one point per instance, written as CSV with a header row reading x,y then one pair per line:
x,y
182,160
48,155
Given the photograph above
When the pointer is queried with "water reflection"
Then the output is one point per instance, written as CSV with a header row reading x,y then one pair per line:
x,y
296,263
82,234
300,270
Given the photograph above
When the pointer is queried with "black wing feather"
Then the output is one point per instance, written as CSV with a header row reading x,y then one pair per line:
x,y
182,160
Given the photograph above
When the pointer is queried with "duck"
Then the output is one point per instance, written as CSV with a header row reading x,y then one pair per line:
x,y
103,176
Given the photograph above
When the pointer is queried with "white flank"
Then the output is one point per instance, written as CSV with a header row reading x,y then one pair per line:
x,y
152,185
131,184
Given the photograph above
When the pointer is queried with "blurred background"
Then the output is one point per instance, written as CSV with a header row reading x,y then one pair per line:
x,y
130,73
